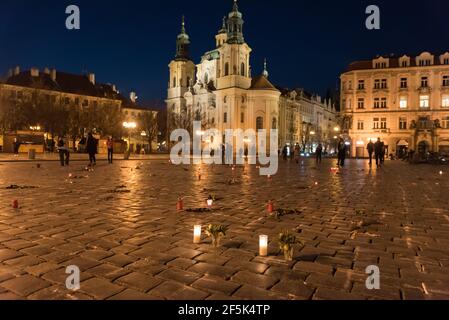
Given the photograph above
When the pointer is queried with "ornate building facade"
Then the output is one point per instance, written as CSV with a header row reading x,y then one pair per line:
x,y
51,88
222,92
402,100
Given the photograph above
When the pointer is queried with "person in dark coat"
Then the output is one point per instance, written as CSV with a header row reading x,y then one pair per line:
x,y
110,145
378,152
91,148
16,146
370,149
341,152
319,153
64,153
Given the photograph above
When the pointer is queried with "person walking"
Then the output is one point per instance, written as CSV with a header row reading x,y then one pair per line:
x,y
319,153
16,147
341,152
378,150
370,149
384,152
229,154
284,153
91,148
297,153
110,145
64,154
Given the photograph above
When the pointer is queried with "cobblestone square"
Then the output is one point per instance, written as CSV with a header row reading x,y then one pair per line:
x,y
119,224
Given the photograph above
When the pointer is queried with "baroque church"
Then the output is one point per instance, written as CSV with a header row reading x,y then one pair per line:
x,y
221,89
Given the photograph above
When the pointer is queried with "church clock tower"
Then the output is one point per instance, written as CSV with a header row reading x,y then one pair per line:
x,y
182,73
234,71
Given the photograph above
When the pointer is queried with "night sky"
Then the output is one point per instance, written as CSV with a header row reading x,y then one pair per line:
x,y
130,43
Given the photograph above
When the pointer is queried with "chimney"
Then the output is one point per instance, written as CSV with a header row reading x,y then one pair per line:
x,y
92,78
17,71
34,72
133,97
47,71
53,75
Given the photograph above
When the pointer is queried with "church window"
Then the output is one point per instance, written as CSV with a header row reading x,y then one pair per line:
x,y
174,82
225,117
242,117
188,81
259,123
226,69
274,124
234,69
242,69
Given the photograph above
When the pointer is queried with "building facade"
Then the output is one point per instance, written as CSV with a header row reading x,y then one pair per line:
x,y
307,120
62,91
222,93
402,100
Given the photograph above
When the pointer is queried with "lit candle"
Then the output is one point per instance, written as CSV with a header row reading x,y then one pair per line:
x,y
210,202
263,246
197,234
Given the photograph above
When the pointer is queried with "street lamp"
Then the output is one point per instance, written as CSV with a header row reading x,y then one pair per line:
x,y
129,126
337,129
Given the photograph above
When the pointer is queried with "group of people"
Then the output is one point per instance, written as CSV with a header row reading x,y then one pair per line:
x,y
295,153
91,149
379,150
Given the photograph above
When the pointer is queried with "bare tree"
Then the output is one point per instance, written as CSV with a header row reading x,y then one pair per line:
x,y
149,124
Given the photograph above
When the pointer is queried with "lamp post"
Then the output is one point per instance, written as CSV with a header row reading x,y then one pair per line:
x,y
129,126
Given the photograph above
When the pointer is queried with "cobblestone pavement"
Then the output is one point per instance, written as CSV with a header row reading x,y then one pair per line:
x,y
9,157
120,226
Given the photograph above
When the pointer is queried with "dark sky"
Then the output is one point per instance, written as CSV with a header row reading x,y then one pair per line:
x,y
130,43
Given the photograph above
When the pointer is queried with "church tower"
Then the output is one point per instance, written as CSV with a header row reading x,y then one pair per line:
x,y
234,69
182,73
222,36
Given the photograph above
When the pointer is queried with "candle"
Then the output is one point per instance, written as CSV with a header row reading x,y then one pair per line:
x,y
270,207
180,204
263,246
197,234
210,202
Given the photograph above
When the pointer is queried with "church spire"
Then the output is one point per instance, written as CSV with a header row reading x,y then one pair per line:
x,y
223,26
183,25
265,71
183,43
236,7
235,26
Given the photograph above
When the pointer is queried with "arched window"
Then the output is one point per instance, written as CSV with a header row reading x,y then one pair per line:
x,y
242,69
174,82
259,123
226,73
274,124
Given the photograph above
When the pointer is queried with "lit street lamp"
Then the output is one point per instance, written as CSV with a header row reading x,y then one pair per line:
x,y
129,126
